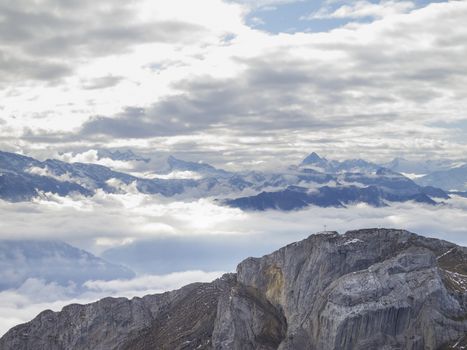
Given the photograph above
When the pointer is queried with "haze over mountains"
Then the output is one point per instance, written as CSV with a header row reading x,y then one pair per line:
x,y
315,181
53,262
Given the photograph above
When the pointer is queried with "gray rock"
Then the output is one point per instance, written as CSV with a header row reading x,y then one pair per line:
x,y
366,289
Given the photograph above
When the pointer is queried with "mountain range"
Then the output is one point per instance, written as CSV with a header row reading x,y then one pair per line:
x,y
365,289
446,174
315,181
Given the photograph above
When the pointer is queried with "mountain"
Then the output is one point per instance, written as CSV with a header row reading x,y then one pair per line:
x,y
294,198
201,168
446,174
123,155
23,178
366,289
457,193
52,261
377,189
332,183
454,179
315,162
420,167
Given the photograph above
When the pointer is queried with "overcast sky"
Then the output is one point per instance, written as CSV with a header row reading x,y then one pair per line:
x,y
235,82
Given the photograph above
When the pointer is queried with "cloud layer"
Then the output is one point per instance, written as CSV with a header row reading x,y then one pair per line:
x,y
171,79
162,241
111,220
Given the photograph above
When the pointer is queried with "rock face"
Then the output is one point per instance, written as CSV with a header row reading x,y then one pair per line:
x,y
366,289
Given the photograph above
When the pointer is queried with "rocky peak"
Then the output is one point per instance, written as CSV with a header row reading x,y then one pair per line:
x,y
366,289
312,158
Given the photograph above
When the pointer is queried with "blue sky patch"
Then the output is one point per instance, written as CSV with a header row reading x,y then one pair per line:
x,y
290,17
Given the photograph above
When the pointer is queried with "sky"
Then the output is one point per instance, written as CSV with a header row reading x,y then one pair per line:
x,y
235,83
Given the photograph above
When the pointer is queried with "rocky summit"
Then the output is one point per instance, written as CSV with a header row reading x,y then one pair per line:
x,y
365,289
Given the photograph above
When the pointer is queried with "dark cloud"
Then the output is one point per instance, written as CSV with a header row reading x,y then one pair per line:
x,y
48,137
116,38
134,123
270,95
17,68
42,41
102,82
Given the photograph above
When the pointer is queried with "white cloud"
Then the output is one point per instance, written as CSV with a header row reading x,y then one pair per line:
x,y
363,9
175,175
107,220
92,156
46,172
267,4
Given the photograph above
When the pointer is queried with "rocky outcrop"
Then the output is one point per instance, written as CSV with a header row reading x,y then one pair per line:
x,y
181,319
366,289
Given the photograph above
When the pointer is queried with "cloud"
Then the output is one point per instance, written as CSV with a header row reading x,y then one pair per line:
x,y
363,9
349,87
23,304
265,3
57,31
374,89
17,68
46,172
110,220
102,82
150,284
92,156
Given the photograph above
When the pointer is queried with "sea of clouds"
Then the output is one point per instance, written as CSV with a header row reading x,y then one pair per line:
x,y
170,244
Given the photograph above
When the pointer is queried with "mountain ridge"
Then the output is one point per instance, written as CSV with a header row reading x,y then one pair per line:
x,y
334,183
365,289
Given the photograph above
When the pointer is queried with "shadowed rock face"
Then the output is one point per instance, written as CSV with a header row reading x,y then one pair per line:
x,y
367,289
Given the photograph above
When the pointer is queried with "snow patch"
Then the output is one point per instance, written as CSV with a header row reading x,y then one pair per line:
x,y
444,254
66,177
413,176
352,241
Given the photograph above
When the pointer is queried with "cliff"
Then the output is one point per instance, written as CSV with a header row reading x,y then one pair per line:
x,y
366,289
